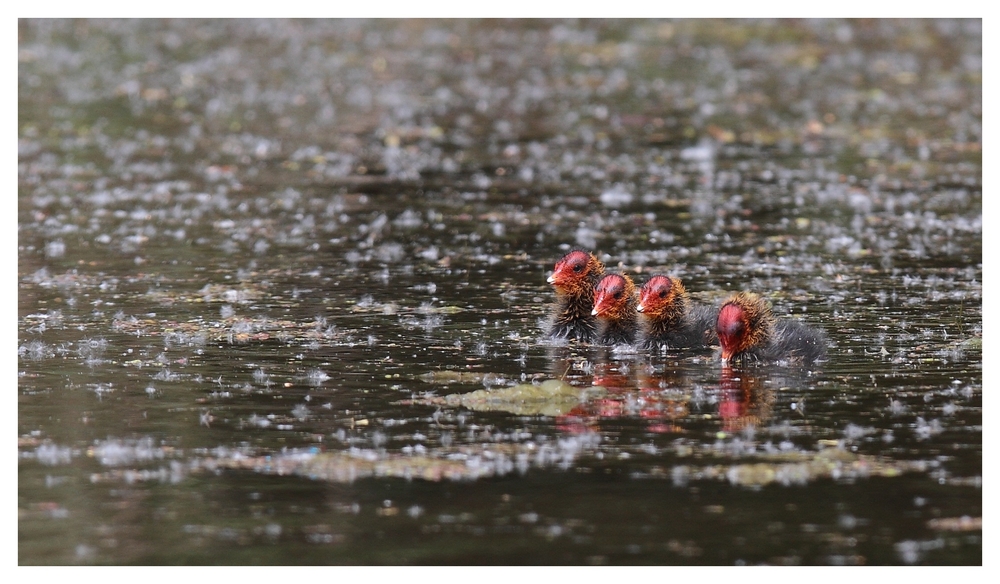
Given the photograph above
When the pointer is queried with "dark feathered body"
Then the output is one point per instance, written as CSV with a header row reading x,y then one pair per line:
x,y
670,319
616,332
571,318
748,331
574,278
614,307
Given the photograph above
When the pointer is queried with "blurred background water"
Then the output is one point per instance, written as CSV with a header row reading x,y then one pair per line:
x,y
281,285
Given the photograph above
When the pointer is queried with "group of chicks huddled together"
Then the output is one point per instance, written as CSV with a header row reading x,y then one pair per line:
x,y
595,307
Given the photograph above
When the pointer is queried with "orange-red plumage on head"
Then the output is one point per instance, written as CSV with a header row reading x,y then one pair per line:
x,y
745,321
614,308
574,269
612,295
574,278
659,294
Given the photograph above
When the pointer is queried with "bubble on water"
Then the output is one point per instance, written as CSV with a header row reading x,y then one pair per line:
x,y
617,196
586,237
301,412
85,553
622,349
166,375
229,247
316,377
408,219
52,454
236,296
494,380
182,339
261,377
55,249
429,287
924,429
91,348
911,552
121,452
258,421
897,408
34,351
389,252
261,246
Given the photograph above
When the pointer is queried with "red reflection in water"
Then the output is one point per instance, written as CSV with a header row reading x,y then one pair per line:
x,y
743,400
640,396
635,391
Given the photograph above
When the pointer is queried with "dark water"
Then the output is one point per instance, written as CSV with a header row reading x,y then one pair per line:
x,y
281,284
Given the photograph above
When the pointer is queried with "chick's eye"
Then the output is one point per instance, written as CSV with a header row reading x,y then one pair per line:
x,y
577,268
663,293
618,295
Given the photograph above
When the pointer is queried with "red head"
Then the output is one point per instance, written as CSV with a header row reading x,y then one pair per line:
x,y
731,328
612,296
660,294
745,321
574,270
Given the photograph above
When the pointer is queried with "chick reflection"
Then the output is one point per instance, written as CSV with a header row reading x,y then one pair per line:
x,y
665,407
744,400
612,375
634,390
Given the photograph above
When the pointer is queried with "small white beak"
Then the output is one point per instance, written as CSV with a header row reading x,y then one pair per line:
x,y
551,280
593,312
638,307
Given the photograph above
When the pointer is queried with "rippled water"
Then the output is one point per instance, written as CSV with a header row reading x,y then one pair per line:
x,y
281,286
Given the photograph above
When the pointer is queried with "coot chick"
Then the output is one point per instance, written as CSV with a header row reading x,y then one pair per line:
x,y
574,279
670,319
749,331
614,307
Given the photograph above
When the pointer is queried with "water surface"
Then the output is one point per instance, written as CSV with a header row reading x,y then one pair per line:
x,y
281,286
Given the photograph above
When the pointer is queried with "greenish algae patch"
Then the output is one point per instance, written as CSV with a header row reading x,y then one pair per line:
x,y
973,344
799,468
548,398
471,462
